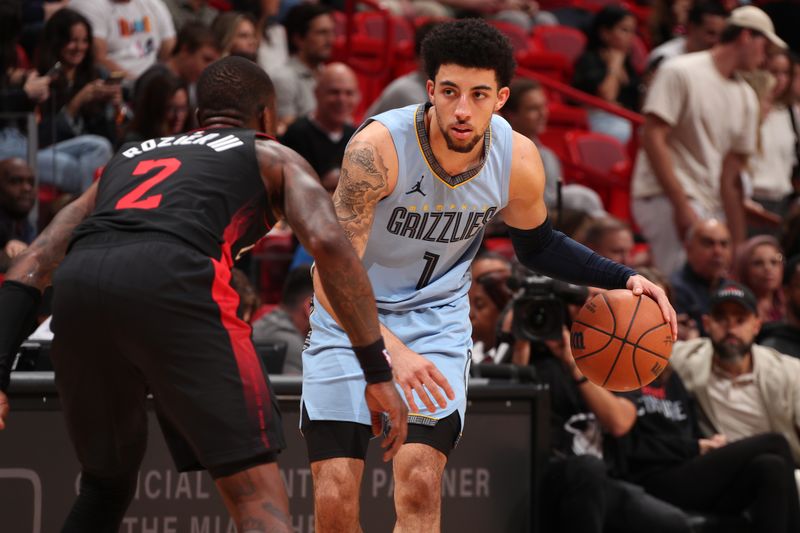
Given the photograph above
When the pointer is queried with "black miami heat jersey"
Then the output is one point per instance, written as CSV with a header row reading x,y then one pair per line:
x,y
202,187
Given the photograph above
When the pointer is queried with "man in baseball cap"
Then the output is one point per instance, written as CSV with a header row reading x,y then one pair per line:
x,y
754,19
741,388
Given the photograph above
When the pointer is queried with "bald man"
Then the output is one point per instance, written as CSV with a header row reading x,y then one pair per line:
x,y
17,198
321,136
708,259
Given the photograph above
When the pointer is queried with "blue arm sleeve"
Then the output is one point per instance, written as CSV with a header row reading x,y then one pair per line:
x,y
550,252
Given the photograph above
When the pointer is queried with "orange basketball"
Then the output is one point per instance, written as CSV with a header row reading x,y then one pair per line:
x,y
621,341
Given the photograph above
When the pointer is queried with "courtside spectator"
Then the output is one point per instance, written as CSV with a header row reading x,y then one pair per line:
x,y
321,136
69,165
770,168
740,388
759,266
785,336
609,237
289,321
709,257
700,127
195,49
488,296
161,107
527,110
703,28
668,20
236,35
17,198
605,69
310,31
273,46
129,35
81,101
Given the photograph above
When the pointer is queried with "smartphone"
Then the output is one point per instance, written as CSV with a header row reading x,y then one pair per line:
x,y
55,71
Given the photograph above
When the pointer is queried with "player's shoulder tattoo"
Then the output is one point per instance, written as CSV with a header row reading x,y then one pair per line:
x,y
362,183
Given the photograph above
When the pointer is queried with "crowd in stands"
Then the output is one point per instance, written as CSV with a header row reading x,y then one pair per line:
x,y
700,99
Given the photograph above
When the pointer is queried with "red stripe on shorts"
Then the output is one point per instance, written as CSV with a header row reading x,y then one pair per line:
x,y
256,392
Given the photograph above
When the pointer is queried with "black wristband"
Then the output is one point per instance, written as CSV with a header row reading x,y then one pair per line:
x,y
18,306
374,361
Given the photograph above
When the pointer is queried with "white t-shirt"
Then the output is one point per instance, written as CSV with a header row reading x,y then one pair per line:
x,y
710,116
770,168
133,30
672,48
273,55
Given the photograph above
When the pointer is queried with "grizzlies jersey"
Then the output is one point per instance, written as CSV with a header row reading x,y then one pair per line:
x,y
423,239
426,233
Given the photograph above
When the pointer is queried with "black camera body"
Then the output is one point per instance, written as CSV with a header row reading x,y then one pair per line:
x,y
540,306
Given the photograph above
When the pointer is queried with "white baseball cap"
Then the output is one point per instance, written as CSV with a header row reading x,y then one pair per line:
x,y
753,18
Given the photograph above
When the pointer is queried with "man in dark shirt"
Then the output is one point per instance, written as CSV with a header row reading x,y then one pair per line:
x,y
321,136
17,198
785,336
708,258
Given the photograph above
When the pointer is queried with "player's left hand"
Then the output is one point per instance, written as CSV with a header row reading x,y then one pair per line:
x,y
641,285
4,408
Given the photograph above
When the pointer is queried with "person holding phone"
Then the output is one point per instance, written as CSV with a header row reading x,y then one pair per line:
x,y
79,118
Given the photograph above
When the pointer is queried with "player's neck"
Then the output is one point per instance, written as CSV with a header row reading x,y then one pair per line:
x,y
453,162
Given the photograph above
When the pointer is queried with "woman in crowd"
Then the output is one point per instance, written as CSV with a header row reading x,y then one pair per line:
x,y
606,71
236,33
771,167
81,101
161,107
668,20
69,164
759,265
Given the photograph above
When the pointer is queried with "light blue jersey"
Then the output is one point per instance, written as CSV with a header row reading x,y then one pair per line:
x,y
423,239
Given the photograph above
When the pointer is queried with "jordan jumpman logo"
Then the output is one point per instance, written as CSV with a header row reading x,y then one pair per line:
x,y
418,187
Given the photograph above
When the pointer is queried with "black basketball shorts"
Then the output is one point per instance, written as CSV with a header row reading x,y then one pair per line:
x,y
134,314
329,439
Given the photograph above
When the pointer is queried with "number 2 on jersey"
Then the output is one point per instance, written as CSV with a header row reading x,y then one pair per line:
x,y
134,199
427,272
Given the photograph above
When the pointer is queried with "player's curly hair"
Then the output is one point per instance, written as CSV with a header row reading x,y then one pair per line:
x,y
233,86
470,43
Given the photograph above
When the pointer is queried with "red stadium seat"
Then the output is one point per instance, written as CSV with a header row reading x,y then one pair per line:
x,y
273,254
563,40
550,64
515,34
601,162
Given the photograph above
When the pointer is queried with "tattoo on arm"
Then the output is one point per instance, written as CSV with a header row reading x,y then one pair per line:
x,y
361,185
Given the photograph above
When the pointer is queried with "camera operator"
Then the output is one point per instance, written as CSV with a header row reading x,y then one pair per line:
x,y
578,495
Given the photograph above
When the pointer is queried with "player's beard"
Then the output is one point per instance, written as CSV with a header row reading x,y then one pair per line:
x,y
731,350
453,145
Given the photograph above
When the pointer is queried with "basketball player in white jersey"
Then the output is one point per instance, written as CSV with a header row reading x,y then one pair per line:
x,y
417,186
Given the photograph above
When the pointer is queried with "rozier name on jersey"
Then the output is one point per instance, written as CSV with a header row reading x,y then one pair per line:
x,y
438,226
214,141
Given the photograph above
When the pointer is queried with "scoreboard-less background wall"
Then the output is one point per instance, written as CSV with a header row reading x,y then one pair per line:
x,y
487,487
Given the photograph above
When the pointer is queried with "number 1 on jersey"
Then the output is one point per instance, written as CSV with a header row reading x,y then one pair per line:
x,y
427,273
134,200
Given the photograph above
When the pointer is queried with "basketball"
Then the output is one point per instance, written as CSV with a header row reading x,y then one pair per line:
x,y
621,341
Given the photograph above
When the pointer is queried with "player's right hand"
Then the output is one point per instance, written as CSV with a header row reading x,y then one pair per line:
x,y
4,408
415,373
384,398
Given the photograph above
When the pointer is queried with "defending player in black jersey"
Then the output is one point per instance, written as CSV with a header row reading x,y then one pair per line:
x,y
143,302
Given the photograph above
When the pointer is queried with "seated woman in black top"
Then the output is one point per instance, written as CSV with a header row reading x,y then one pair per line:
x,y
605,69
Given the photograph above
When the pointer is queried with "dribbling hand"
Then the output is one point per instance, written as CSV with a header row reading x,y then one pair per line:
x,y
384,398
641,285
